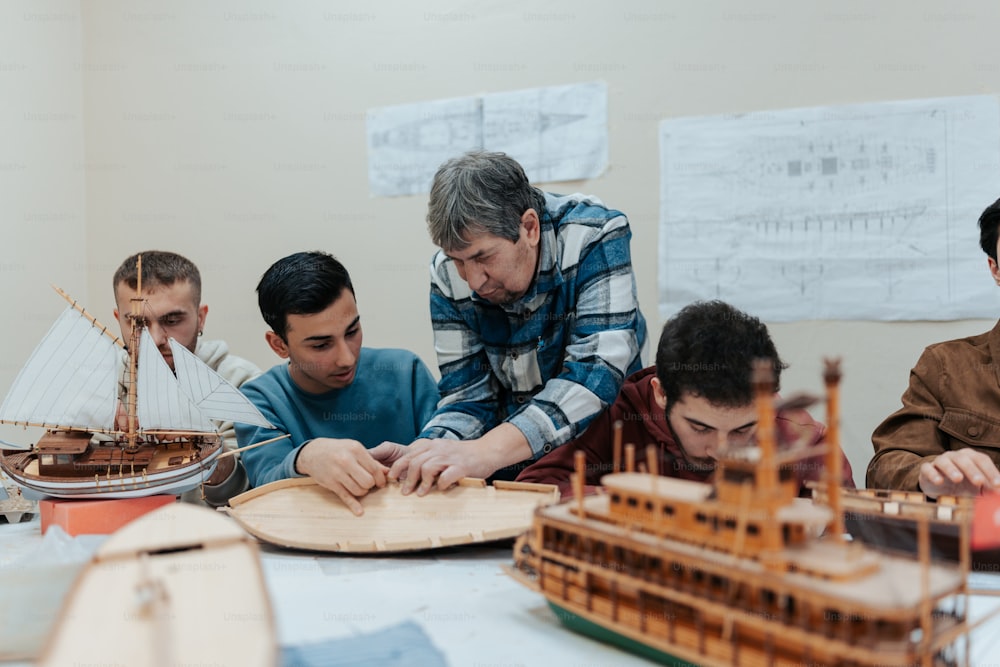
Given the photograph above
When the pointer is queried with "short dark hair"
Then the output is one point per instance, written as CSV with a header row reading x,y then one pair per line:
x,y
989,224
300,284
479,192
708,349
158,268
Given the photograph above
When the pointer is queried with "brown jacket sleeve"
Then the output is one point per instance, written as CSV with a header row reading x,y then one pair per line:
x,y
952,403
912,434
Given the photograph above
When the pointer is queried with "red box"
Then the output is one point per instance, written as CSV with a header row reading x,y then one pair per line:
x,y
96,517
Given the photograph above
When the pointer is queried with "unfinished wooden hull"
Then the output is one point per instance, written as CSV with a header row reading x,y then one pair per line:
x,y
106,470
179,586
300,514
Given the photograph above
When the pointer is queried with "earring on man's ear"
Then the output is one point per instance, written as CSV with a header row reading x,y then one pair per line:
x,y
200,332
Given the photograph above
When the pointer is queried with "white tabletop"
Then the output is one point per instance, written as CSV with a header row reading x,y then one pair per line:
x,y
472,612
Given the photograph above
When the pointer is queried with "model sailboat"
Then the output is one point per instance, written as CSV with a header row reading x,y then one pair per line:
x,y
162,442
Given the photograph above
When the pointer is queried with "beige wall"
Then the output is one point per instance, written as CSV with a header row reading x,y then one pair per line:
x,y
43,169
233,132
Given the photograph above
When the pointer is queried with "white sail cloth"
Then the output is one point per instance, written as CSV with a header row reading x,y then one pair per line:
x,y
189,400
215,396
70,380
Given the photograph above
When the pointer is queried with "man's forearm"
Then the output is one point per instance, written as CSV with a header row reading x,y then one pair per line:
x,y
505,445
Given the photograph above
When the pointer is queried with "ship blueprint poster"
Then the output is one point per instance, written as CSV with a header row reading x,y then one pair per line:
x,y
557,133
408,142
864,211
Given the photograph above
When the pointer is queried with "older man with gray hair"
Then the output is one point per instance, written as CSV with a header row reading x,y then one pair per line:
x,y
536,321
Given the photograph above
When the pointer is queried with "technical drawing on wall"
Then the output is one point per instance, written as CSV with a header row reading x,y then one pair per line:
x,y
855,212
407,143
557,133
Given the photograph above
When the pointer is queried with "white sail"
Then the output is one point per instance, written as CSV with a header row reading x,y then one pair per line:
x,y
70,380
160,402
215,397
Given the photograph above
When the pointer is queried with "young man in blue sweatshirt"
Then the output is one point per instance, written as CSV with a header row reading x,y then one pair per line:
x,y
335,398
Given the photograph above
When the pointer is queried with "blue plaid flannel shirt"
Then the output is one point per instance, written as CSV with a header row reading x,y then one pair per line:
x,y
554,359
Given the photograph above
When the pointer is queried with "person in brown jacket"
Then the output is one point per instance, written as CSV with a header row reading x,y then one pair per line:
x,y
696,401
946,437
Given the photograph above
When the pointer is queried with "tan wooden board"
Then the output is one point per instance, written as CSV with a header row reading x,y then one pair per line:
x,y
180,586
298,513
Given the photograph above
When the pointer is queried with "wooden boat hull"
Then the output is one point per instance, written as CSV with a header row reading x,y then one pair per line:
x,y
718,651
161,477
605,634
603,631
180,586
300,514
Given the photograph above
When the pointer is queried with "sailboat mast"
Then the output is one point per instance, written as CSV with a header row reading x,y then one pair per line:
x,y
133,359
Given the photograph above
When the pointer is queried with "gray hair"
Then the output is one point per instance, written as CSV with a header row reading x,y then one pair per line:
x,y
479,192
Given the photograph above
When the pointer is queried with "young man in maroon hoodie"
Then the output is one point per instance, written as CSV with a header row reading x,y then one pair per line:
x,y
696,401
